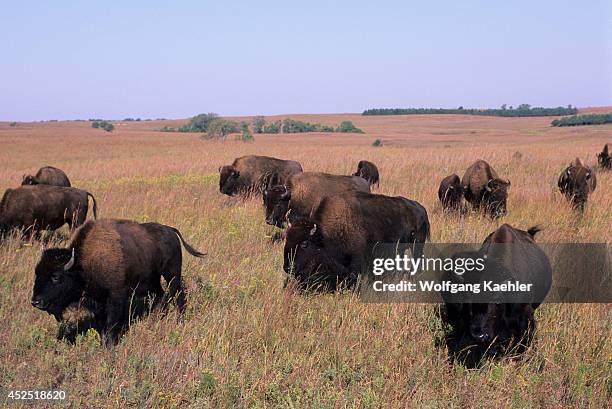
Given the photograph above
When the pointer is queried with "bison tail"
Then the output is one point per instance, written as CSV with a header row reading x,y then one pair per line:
x,y
534,230
189,249
95,205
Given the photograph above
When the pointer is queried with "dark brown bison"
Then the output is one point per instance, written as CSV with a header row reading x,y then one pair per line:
x,y
577,182
303,193
111,263
497,324
450,192
368,171
483,188
47,175
251,174
333,245
603,159
44,207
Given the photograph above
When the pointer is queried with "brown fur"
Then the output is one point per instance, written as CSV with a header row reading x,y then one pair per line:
x,y
368,171
43,207
483,188
304,191
116,264
450,192
47,175
577,182
347,225
250,174
603,159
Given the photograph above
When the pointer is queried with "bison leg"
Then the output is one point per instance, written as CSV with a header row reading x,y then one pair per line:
x,y
174,279
116,314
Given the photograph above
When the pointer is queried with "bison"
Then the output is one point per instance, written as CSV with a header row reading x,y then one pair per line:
x,y
47,175
336,241
252,174
490,327
483,188
44,207
450,193
110,263
603,159
368,171
303,193
577,182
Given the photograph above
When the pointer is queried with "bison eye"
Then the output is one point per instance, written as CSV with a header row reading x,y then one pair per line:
x,y
304,244
56,278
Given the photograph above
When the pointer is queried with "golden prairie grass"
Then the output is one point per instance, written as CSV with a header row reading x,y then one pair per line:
x,y
247,342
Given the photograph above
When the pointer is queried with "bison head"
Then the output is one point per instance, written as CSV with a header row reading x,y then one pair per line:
x,y
228,180
276,203
57,283
576,182
496,196
29,180
302,238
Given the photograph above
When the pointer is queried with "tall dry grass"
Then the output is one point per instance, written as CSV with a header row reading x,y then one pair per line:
x,y
246,342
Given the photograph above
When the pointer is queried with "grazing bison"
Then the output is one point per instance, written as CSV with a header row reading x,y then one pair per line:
x,y
249,174
332,246
44,207
303,193
47,175
604,159
110,263
491,328
368,171
576,182
450,192
483,188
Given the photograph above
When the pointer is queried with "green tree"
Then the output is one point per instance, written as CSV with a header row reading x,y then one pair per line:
x,y
259,123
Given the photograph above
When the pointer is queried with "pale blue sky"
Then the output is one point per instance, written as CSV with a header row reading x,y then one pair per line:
x,y
174,59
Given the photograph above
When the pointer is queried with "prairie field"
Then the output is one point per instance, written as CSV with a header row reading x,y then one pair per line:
x,y
247,342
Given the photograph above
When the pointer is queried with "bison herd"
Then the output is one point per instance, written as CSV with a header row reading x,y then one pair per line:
x,y
332,224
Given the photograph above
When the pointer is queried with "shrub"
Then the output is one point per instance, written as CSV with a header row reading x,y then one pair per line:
x,y
107,126
259,124
220,128
347,126
273,127
13,124
377,143
199,123
245,136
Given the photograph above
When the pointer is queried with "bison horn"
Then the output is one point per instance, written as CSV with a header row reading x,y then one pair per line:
x,y
286,194
70,263
313,230
287,217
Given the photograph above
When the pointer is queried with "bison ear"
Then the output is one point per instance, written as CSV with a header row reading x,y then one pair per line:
x,y
70,263
313,230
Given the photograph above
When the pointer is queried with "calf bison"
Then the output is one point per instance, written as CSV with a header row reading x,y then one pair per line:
x,y
251,174
44,207
47,175
450,193
303,193
603,159
576,182
368,171
483,188
332,246
490,327
110,263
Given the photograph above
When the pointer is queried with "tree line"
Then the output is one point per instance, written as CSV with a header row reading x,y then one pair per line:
x,y
577,120
504,110
214,126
